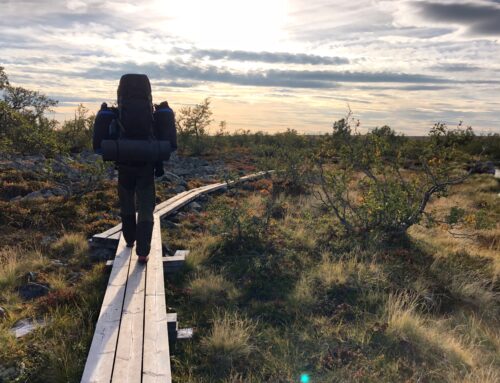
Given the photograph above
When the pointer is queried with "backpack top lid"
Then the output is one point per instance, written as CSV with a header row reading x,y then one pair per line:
x,y
134,86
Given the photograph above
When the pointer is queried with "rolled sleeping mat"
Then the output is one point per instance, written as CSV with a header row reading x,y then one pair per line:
x,y
135,150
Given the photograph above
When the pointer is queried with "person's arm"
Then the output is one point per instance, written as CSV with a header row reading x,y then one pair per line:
x,y
159,171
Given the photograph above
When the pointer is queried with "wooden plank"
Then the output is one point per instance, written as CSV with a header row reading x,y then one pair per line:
x,y
172,264
113,231
181,253
185,333
172,200
99,365
184,198
176,205
128,360
174,259
156,358
109,232
107,242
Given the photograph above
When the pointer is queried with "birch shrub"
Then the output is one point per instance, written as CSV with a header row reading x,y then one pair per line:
x,y
378,184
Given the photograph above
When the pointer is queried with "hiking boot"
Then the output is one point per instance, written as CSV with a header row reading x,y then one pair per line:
x,y
129,228
143,259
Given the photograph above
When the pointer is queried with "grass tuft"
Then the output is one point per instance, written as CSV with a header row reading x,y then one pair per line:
x,y
431,339
228,344
212,289
71,245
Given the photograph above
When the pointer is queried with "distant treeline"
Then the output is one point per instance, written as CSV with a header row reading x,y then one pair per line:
x,y
26,129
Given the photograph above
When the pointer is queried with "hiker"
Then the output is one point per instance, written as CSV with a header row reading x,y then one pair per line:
x,y
138,140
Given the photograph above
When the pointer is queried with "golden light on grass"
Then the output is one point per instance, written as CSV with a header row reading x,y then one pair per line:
x,y
229,340
14,262
429,337
200,249
212,289
71,245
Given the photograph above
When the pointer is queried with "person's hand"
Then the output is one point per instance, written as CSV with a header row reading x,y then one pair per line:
x,y
159,171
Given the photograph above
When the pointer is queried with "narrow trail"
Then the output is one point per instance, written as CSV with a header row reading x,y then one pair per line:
x,y
131,338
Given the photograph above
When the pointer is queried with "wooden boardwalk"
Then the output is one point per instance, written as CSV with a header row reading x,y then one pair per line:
x,y
111,236
130,342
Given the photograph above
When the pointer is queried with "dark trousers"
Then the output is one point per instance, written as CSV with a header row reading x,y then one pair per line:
x,y
137,183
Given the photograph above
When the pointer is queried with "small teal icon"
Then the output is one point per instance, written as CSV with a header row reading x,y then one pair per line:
x,y
304,378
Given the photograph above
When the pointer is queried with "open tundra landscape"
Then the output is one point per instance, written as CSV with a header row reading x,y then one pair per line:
x,y
362,257
228,191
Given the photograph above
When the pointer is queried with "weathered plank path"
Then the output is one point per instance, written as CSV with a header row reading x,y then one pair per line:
x,y
111,236
130,342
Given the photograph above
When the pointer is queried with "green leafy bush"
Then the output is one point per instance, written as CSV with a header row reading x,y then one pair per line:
x,y
364,185
76,134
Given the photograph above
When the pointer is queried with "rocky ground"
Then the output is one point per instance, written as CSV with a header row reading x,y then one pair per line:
x,y
87,185
77,173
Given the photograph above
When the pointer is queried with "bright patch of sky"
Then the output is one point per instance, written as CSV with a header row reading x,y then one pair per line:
x,y
268,65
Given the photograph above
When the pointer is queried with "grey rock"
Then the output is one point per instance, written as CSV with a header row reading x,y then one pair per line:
x,y
57,263
487,167
47,240
35,158
33,290
170,225
59,192
8,373
75,276
177,217
179,189
195,206
183,171
47,194
168,176
34,195
31,276
24,327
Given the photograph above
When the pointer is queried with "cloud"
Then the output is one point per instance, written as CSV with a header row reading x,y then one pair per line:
x,y
418,88
313,79
266,57
456,67
174,84
479,19
209,74
413,87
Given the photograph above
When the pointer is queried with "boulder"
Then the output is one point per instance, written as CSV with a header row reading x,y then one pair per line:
x,y
8,374
33,290
195,206
179,189
487,167
34,195
24,327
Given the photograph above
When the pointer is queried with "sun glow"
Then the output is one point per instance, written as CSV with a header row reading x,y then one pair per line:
x,y
228,24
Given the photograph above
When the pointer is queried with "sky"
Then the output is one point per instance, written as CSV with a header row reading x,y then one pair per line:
x,y
268,65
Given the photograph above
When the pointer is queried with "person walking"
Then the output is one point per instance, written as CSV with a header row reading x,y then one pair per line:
x,y
131,130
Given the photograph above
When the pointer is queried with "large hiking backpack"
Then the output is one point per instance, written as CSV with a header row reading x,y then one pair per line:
x,y
135,107
164,124
133,140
